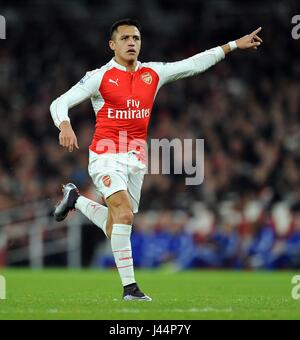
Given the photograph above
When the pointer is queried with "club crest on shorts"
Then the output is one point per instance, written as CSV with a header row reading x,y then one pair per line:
x,y
147,78
106,180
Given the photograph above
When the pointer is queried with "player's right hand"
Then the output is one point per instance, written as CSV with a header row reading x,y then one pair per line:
x,y
67,137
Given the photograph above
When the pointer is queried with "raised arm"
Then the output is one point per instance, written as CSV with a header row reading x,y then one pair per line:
x,y
251,40
199,63
59,108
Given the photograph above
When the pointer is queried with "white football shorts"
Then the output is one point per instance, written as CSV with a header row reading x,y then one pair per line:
x,y
116,172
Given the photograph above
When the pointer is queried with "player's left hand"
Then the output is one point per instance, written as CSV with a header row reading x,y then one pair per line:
x,y
251,40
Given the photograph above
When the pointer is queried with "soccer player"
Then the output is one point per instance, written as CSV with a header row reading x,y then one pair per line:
x,y
122,93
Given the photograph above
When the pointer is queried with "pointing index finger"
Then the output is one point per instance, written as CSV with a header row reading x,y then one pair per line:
x,y
256,31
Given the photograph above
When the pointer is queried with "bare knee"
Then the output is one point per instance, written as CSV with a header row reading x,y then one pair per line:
x,y
124,217
120,208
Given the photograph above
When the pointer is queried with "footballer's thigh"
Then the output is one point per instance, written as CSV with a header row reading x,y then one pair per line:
x,y
113,186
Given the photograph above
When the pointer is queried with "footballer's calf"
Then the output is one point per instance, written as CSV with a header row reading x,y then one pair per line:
x,y
120,210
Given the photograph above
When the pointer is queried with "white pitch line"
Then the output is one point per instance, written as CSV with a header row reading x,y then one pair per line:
x,y
200,310
180,310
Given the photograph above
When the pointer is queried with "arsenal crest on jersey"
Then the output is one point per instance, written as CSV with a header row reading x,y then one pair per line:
x,y
147,78
106,180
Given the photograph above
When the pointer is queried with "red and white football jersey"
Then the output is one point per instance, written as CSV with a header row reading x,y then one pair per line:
x,y
123,100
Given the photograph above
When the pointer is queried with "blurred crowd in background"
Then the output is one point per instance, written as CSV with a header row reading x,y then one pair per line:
x,y
247,109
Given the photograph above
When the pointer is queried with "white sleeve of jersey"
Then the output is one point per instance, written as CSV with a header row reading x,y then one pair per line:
x,y
86,88
196,64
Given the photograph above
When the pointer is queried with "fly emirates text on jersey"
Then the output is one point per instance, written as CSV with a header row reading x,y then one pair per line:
x,y
133,111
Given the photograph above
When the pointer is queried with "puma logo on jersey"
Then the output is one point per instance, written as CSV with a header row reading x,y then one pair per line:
x,y
114,81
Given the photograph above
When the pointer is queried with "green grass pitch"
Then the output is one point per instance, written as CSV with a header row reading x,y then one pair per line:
x,y
96,294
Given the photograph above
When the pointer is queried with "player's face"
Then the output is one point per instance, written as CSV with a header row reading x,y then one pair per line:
x,y
126,43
